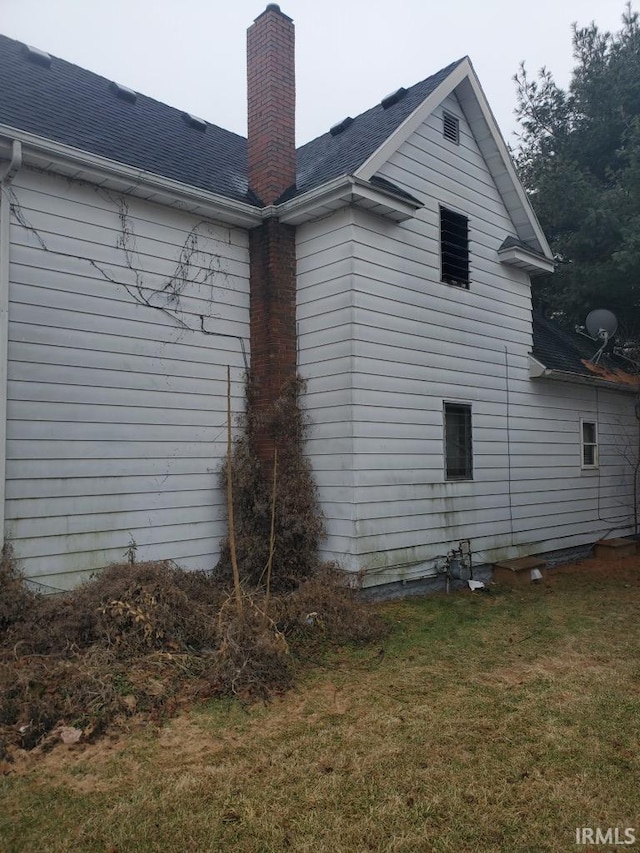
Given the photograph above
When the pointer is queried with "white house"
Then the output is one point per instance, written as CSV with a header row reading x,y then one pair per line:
x,y
141,250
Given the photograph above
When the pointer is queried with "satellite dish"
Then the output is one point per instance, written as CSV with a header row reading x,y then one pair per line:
x,y
601,324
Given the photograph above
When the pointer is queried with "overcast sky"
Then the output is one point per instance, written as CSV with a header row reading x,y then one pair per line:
x,y
350,53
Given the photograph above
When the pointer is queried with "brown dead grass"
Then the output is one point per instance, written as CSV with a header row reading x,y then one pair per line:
x,y
485,723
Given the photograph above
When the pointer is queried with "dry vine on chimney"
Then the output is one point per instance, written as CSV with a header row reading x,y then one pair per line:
x,y
297,526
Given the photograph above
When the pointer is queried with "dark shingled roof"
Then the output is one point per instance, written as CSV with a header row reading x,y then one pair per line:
x,y
67,104
565,351
328,157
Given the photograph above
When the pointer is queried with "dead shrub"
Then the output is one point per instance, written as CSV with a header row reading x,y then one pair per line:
x,y
131,609
327,606
15,599
140,638
252,659
121,643
299,523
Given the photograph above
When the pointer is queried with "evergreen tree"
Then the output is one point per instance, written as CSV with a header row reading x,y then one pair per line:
x,y
579,159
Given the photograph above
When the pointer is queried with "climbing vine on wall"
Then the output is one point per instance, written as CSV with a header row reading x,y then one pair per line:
x,y
195,265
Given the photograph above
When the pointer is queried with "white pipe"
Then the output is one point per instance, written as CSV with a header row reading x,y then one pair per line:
x,y
7,174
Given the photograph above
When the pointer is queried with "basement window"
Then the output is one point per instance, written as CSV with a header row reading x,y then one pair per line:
x,y
589,441
451,127
458,441
454,248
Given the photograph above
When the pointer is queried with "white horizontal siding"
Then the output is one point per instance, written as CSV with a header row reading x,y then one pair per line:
x,y
117,409
419,342
325,359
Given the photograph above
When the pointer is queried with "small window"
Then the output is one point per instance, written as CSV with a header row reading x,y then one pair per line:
x,y
589,431
454,248
458,443
451,127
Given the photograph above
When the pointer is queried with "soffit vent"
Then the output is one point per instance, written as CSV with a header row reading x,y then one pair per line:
x,y
122,93
342,125
451,127
38,57
393,98
195,122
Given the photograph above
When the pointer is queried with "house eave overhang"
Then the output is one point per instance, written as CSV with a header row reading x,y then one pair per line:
x,y
537,371
73,163
345,191
463,82
531,262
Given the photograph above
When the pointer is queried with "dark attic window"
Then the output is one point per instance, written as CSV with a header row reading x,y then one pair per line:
x,y
454,248
451,127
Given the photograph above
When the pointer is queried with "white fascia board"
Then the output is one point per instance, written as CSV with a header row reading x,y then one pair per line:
x,y
492,143
537,370
375,162
47,154
519,257
342,192
487,134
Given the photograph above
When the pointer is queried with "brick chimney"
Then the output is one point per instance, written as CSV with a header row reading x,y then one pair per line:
x,y
272,246
271,89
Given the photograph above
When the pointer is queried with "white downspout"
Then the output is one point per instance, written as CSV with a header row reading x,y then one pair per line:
x,y
7,174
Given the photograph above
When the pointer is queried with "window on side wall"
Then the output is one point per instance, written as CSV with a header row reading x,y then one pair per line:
x,y
458,442
454,248
589,443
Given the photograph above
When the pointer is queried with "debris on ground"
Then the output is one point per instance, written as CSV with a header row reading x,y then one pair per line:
x,y
142,639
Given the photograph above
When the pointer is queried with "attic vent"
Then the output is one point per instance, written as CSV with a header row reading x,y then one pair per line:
x,y
342,125
123,93
38,57
451,127
393,98
194,121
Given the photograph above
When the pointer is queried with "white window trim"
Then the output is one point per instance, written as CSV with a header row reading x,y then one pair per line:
x,y
595,445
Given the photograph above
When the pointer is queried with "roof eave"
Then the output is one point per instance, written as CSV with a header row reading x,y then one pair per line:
x,y
463,80
342,192
531,262
537,370
81,165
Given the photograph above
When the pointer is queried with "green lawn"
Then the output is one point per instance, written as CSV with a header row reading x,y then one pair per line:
x,y
485,723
